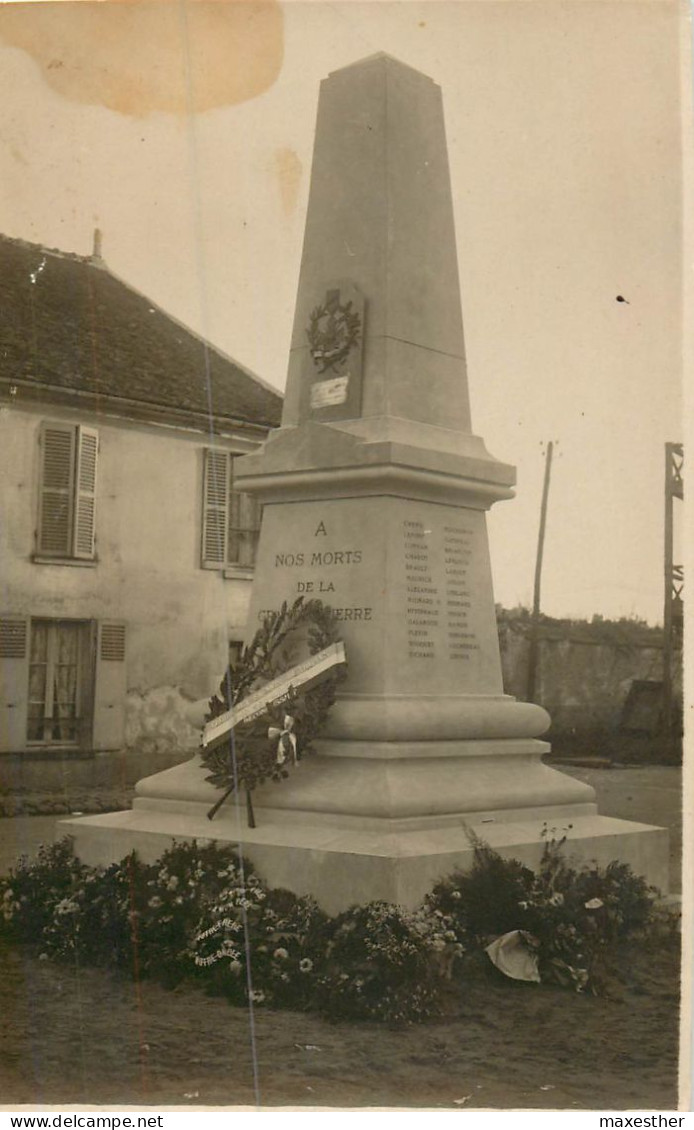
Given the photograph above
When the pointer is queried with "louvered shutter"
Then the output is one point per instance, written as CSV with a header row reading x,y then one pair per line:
x,y
56,490
85,492
14,682
109,686
215,509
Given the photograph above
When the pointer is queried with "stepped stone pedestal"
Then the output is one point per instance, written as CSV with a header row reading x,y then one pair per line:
x,y
375,492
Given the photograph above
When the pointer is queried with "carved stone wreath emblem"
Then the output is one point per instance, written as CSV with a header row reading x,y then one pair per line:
x,y
333,330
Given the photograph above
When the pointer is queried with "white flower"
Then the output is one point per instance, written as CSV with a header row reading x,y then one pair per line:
x,y
235,966
456,895
257,995
306,965
557,899
66,906
281,954
154,902
172,883
594,904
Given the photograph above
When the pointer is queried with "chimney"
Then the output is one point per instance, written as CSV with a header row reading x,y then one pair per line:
x,y
96,251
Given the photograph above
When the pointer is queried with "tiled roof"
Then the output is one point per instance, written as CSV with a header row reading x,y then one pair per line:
x,y
68,325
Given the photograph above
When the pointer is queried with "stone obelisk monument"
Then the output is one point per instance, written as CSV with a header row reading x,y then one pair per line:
x,y
375,491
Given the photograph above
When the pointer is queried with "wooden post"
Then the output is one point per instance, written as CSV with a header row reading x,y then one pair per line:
x,y
671,449
250,814
673,581
533,650
667,598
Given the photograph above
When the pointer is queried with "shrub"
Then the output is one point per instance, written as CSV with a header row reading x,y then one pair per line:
x,y
574,916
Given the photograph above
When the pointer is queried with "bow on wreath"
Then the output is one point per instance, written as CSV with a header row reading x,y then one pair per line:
x,y
286,740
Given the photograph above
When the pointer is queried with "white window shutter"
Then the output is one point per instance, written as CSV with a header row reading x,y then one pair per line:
x,y
215,509
56,490
14,682
85,492
110,686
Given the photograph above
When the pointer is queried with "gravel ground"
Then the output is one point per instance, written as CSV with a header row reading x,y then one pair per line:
x,y
75,1035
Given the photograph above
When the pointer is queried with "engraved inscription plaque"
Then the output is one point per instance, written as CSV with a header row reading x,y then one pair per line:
x,y
332,366
326,393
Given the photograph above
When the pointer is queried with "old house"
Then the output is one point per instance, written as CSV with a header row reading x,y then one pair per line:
x,y
126,554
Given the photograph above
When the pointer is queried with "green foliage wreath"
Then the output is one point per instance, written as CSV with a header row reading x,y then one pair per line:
x,y
262,748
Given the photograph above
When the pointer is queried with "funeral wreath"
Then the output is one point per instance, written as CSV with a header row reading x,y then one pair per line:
x,y
276,736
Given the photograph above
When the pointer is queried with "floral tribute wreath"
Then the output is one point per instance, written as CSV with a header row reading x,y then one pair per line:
x,y
255,751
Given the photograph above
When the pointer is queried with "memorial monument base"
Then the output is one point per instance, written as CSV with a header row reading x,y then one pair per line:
x,y
383,848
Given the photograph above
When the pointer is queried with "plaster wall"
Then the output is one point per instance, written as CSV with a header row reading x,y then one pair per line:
x,y
179,616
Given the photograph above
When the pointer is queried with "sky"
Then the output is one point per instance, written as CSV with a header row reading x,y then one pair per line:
x,y
184,132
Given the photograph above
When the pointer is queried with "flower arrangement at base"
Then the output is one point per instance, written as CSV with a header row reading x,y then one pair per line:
x,y
378,966
262,946
201,914
35,887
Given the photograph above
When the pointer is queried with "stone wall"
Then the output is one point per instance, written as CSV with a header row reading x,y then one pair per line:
x,y
584,671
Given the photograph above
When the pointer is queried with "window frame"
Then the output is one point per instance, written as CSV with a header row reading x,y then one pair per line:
x,y
67,481
222,512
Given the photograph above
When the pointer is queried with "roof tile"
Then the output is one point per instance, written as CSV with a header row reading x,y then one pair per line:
x,y
67,322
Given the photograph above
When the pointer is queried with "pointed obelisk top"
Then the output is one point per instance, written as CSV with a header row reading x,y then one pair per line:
x,y
377,57
378,328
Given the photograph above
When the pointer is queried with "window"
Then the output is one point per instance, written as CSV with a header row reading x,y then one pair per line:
x,y
62,684
67,491
56,664
230,518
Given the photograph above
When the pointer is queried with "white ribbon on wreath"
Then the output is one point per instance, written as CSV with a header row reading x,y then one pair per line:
x,y
286,740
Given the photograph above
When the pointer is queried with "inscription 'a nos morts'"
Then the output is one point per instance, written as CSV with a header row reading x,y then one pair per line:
x,y
318,558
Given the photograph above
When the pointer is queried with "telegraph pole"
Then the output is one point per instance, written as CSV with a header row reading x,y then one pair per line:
x,y
533,650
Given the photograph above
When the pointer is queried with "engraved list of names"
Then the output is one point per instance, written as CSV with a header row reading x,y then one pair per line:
x,y
438,563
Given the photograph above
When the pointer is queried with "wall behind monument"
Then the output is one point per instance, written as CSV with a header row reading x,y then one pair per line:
x,y
586,670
